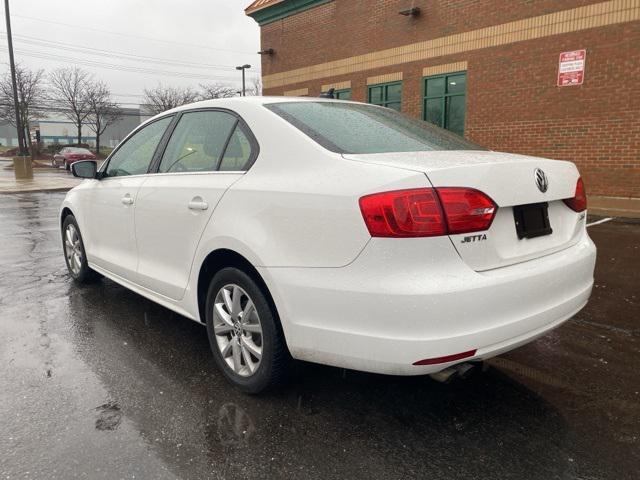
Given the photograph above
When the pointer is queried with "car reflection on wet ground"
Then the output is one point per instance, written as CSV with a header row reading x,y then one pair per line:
x,y
98,382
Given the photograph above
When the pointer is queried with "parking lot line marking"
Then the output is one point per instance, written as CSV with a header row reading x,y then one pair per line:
x,y
604,220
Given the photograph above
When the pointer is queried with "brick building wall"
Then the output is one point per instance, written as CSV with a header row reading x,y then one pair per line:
x,y
509,50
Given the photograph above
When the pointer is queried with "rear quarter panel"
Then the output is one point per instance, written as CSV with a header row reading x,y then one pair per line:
x,y
298,204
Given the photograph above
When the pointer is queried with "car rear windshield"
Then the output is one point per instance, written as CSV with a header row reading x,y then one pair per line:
x,y
345,127
78,150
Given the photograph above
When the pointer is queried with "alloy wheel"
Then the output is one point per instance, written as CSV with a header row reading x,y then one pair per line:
x,y
73,248
237,329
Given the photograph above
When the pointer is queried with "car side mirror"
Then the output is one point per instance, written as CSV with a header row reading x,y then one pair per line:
x,y
84,169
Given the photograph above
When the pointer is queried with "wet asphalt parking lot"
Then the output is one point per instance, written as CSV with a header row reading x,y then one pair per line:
x,y
97,382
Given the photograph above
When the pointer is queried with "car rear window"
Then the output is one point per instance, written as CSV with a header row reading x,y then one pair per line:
x,y
78,150
345,127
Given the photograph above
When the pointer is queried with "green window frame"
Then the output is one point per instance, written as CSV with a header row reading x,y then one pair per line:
x,y
343,94
386,95
444,100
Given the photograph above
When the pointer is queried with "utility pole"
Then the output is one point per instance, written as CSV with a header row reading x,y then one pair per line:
x,y
16,102
243,68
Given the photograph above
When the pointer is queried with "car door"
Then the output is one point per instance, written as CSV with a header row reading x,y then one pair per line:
x,y
112,243
207,152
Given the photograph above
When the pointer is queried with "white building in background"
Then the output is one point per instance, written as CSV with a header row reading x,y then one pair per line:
x,y
60,130
64,132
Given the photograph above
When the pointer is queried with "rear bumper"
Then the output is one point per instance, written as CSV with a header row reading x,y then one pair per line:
x,y
400,302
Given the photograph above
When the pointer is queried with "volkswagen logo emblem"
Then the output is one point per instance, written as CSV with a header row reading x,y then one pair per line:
x,y
541,180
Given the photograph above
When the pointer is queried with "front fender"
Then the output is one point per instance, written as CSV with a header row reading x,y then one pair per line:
x,y
77,205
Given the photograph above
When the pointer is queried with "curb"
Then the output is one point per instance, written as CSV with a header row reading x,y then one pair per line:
x,y
36,190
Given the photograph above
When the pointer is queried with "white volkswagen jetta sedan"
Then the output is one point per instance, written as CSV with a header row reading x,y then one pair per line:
x,y
333,232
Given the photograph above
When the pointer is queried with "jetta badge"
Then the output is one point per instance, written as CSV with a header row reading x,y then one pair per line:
x,y
541,180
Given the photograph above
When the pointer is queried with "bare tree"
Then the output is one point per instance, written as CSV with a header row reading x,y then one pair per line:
x,y
255,88
31,98
103,111
69,93
162,98
216,90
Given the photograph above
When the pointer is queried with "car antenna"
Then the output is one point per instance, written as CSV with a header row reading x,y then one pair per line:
x,y
328,94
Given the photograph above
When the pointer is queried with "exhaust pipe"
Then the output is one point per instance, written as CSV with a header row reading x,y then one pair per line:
x,y
464,369
460,370
444,376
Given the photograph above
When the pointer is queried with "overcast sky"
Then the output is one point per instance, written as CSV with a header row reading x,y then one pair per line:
x,y
215,34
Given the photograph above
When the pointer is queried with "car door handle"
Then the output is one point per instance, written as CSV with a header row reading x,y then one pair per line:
x,y
127,200
198,204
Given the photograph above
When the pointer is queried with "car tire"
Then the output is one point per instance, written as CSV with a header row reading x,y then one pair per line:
x,y
74,252
241,328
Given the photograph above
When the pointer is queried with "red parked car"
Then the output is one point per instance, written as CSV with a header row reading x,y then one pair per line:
x,y
68,155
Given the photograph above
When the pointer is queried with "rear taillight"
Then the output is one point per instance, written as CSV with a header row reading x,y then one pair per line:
x,y
403,213
579,201
467,210
427,212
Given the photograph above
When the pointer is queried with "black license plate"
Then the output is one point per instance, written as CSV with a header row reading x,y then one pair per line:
x,y
532,220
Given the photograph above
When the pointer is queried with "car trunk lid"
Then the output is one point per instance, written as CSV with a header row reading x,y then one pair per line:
x,y
509,180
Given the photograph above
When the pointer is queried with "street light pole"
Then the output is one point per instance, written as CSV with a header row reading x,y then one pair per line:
x,y
21,143
243,68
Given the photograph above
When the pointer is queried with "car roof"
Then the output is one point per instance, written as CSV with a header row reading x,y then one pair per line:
x,y
257,100
234,103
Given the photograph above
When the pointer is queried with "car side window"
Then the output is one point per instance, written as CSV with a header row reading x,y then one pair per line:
x,y
135,155
197,142
238,151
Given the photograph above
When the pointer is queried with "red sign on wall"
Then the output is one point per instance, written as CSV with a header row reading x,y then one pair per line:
x,y
571,68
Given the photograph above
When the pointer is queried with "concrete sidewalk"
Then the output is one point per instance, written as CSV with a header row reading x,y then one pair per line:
x,y
44,180
37,184
614,206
